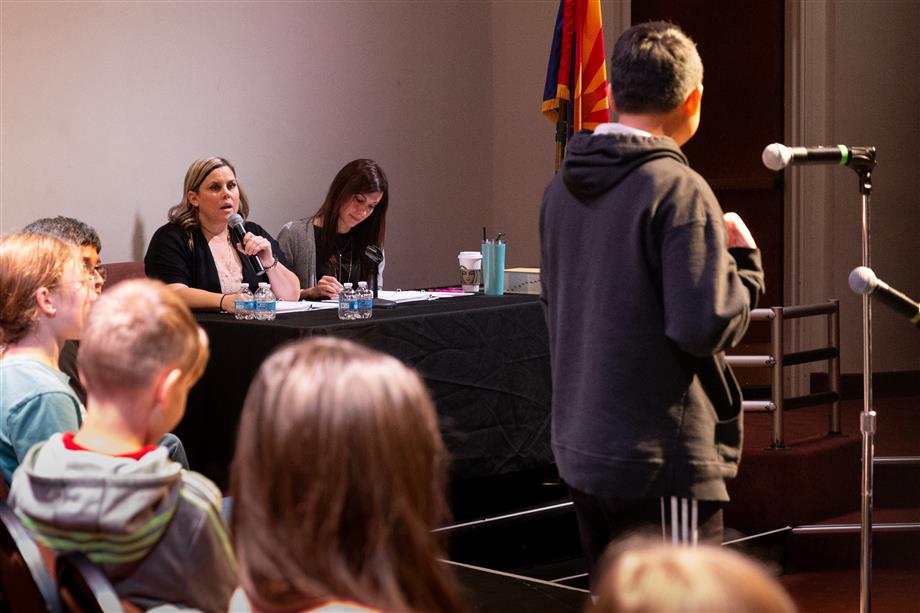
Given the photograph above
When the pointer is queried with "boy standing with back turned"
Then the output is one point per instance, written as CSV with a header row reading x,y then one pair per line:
x,y
645,283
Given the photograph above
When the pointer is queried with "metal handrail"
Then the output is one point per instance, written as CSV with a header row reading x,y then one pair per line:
x,y
778,358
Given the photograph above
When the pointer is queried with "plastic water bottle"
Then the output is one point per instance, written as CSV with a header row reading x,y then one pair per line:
x,y
346,297
265,302
365,301
244,306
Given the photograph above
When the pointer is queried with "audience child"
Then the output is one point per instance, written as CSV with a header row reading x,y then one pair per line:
x,y
337,482
647,577
645,409
107,491
87,241
46,295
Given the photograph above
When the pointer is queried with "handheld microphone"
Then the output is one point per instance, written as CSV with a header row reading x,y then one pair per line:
x,y
864,281
237,232
777,156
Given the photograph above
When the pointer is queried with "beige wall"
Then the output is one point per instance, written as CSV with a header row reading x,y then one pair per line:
x,y
877,102
103,106
523,146
854,80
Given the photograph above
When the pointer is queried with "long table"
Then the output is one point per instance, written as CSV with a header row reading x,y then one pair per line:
x,y
485,360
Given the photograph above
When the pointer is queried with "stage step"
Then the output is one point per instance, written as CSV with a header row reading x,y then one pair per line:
x,y
897,548
896,485
837,591
809,480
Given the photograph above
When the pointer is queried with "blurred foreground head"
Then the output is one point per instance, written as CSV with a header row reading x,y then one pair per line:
x,y
651,577
337,482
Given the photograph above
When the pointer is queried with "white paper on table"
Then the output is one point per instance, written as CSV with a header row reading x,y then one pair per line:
x,y
417,295
451,294
401,296
290,306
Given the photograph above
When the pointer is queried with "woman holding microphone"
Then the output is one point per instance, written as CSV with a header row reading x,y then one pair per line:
x,y
195,253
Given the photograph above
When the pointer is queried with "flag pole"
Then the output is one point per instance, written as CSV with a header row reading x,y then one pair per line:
x,y
561,132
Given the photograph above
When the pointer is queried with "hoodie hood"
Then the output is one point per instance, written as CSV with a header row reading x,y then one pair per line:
x,y
114,510
594,164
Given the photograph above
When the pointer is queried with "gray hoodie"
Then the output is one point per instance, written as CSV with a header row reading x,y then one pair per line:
x,y
154,529
642,296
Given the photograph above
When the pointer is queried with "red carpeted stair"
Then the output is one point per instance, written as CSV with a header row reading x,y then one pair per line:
x,y
816,480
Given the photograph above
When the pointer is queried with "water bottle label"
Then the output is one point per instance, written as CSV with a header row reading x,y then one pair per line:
x,y
268,307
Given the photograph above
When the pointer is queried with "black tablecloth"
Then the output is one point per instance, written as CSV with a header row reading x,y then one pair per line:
x,y
484,358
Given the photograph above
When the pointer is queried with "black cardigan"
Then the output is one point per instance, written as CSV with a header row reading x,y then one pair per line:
x,y
170,260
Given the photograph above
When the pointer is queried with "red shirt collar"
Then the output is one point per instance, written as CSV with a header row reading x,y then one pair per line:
x,y
70,444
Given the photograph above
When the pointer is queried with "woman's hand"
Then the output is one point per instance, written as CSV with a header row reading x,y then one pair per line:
x,y
228,303
257,246
326,287
285,284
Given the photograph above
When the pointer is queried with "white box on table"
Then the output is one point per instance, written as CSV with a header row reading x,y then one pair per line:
x,y
522,281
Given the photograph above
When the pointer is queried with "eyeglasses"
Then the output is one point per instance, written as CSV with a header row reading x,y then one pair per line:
x,y
88,282
101,271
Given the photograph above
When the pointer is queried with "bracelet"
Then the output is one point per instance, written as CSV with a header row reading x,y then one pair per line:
x,y
221,303
273,264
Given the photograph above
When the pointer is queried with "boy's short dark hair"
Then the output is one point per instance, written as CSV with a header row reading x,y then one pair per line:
x,y
67,228
655,66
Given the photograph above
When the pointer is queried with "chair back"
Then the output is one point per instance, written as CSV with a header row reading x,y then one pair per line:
x,y
83,587
116,272
25,583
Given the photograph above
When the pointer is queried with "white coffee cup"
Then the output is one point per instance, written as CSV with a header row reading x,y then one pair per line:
x,y
470,270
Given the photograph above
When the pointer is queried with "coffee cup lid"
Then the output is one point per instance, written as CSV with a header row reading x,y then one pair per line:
x,y
470,254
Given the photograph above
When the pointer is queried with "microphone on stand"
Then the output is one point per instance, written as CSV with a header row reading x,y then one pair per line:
x,y
375,254
777,156
863,281
238,231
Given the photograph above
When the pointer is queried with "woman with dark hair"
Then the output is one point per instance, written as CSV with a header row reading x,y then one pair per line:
x,y
194,254
337,481
331,246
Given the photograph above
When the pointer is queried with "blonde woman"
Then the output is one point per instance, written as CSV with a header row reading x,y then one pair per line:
x,y
194,253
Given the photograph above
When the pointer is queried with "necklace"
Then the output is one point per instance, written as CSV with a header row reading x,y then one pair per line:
x,y
341,264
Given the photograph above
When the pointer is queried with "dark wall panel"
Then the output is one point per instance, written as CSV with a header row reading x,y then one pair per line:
x,y
741,44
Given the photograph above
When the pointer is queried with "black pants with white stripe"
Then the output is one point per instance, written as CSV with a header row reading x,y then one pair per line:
x,y
604,520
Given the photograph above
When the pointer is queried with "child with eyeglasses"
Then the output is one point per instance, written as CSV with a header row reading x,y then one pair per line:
x,y
46,296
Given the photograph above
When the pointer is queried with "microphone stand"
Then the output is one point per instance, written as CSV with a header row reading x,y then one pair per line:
x,y
863,162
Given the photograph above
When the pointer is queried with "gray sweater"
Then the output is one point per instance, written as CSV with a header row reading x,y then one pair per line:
x,y
153,528
298,242
642,297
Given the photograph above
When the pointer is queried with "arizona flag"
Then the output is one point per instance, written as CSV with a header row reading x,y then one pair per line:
x,y
577,71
